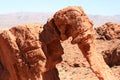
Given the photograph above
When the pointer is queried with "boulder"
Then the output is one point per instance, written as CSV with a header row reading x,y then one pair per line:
x,y
112,55
109,30
27,53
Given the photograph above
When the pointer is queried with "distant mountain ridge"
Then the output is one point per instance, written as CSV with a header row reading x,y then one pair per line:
x,y
100,20
12,19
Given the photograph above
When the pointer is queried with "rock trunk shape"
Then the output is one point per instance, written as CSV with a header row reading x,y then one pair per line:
x,y
72,21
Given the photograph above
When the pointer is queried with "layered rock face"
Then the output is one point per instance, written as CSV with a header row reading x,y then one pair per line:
x,y
72,21
109,31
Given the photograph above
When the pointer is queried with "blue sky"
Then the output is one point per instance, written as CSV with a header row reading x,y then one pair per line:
x,y
102,7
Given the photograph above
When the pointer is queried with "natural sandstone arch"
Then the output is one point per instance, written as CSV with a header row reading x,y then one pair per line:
x,y
72,21
27,51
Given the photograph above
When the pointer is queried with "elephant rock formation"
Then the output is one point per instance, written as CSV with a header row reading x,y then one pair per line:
x,y
30,52
73,22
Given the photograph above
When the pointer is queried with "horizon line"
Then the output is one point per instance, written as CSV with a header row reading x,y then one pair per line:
x,y
55,12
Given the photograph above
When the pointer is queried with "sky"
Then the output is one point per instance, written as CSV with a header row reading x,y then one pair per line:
x,y
95,7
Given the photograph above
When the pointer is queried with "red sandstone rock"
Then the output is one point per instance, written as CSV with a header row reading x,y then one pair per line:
x,y
109,31
27,52
72,21
112,54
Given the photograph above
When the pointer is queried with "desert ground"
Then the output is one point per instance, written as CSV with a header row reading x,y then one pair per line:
x,y
75,67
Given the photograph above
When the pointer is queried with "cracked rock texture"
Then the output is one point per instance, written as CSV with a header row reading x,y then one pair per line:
x,y
110,33
25,56
73,22
109,30
31,51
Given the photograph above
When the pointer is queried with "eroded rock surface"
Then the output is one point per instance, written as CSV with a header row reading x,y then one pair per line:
x,y
30,52
27,52
109,30
112,56
72,21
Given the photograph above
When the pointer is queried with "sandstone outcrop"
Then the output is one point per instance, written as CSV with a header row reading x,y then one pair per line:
x,y
112,57
72,21
109,30
30,52
27,53
110,49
